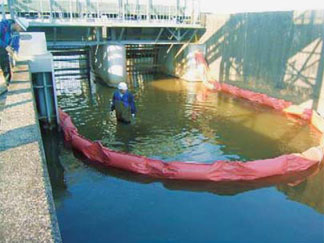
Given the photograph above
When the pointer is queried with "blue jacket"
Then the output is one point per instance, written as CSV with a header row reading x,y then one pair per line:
x,y
7,36
127,99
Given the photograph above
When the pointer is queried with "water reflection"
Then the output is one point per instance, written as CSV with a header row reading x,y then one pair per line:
x,y
310,192
51,141
304,187
184,121
179,120
295,182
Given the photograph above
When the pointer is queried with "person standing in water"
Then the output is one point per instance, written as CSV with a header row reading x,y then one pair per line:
x,y
123,104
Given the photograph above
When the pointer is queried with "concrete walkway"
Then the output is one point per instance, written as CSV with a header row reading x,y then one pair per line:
x,y
27,212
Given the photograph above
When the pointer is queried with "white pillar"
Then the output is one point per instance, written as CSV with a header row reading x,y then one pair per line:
x,y
110,63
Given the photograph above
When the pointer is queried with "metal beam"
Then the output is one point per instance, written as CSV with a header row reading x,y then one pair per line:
x,y
88,33
159,35
181,37
173,34
172,17
55,34
185,45
177,34
193,34
46,100
121,34
77,44
98,34
113,34
120,24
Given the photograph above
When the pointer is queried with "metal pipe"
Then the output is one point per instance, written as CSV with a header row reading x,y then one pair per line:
x,y
198,13
54,92
120,9
148,7
3,10
70,10
98,35
10,7
137,9
51,10
159,35
55,35
42,11
46,101
123,9
192,12
98,10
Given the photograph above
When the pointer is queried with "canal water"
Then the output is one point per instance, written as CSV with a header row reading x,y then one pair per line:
x,y
179,120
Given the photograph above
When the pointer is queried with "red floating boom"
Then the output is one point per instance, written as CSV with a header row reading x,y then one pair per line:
x,y
217,171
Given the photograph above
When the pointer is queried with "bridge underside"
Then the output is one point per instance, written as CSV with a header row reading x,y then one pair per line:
x,y
87,23
79,36
119,36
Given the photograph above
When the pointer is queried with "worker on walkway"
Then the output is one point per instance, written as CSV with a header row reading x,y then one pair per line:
x,y
9,42
123,103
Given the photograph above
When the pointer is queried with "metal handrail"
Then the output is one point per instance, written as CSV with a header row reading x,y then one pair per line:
x,y
181,12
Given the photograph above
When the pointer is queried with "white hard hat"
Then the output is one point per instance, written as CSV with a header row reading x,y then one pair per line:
x,y
23,23
122,86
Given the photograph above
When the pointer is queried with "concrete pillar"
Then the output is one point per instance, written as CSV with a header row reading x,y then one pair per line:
x,y
181,62
109,63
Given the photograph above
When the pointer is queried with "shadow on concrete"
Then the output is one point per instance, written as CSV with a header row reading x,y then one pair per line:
x,y
17,137
21,71
19,103
281,51
18,82
18,91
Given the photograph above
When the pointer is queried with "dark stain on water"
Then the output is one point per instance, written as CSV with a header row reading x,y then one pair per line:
x,y
177,120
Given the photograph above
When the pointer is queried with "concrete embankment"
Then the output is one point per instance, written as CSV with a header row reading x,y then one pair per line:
x,y
27,212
